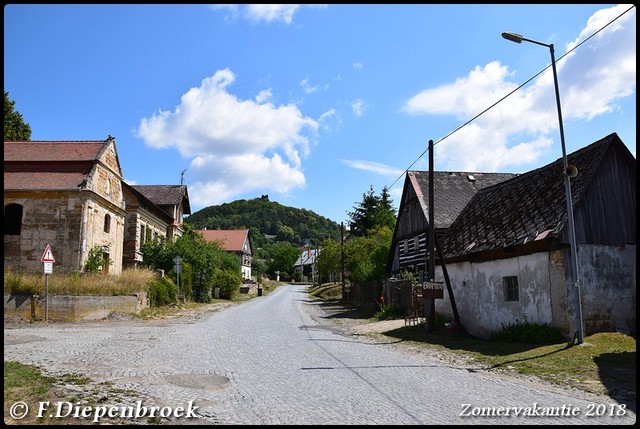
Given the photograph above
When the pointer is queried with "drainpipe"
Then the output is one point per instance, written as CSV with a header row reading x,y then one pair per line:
x,y
83,235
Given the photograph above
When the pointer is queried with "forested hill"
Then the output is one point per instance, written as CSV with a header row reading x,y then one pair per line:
x,y
267,221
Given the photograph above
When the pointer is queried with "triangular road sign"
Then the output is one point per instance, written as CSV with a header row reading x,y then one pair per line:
x,y
47,256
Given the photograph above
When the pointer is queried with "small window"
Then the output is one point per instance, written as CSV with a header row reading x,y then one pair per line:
x,y
143,234
13,219
107,223
510,285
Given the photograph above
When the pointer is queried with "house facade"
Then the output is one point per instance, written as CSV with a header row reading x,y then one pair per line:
x,y
506,257
144,221
174,200
306,266
236,241
65,194
151,215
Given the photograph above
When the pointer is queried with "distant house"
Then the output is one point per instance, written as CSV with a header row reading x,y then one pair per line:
x,y
507,257
236,241
67,194
306,264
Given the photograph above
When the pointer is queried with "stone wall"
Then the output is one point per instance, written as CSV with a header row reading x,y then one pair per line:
x,y
72,308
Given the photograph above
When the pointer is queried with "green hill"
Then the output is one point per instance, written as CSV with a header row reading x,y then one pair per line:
x,y
268,221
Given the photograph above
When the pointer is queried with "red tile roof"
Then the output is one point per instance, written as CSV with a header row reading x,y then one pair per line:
x,y
53,150
49,181
49,165
231,240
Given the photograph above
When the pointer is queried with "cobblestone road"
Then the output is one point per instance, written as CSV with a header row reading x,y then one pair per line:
x,y
277,359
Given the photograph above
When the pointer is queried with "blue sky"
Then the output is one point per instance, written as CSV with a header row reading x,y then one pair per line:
x,y
314,104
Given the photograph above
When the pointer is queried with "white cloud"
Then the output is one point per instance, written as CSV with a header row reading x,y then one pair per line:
x,y
237,146
358,107
264,12
220,179
374,167
263,96
520,129
330,120
308,89
357,66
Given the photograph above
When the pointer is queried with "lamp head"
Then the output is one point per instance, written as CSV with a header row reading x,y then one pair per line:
x,y
514,37
571,171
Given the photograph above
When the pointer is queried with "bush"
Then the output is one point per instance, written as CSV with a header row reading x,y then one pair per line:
x,y
95,259
388,311
227,281
529,333
162,291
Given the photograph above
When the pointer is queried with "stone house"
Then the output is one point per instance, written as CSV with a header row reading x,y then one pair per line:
x,y
66,194
173,199
71,196
236,241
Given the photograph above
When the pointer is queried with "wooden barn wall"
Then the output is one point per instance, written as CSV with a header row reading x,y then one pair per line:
x,y
606,213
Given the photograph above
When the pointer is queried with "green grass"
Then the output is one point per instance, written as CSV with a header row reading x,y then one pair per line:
x,y
28,384
24,381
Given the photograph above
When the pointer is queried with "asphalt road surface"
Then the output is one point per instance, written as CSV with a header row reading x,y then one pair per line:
x,y
279,359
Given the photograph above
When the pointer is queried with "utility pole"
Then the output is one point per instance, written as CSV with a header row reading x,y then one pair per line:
x,y
430,304
344,288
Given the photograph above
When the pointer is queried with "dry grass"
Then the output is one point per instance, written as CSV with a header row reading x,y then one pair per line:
x,y
130,281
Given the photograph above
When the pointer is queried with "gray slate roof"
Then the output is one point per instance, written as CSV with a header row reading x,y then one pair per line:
x,y
452,191
166,195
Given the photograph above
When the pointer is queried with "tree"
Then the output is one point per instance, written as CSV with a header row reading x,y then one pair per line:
x,y
203,264
283,258
329,260
15,129
366,257
372,213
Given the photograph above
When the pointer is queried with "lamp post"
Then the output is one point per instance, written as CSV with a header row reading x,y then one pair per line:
x,y
569,172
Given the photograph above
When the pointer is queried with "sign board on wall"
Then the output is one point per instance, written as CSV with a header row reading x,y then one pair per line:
x,y
432,290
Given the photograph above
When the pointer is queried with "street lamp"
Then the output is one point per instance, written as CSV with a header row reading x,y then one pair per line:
x,y
569,172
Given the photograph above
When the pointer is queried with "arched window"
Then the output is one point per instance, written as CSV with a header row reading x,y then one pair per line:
x,y
12,219
107,223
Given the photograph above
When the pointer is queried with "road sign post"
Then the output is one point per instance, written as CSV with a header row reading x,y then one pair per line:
x,y
47,259
177,268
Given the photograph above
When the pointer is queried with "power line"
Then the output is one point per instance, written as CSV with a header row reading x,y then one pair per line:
x,y
509,94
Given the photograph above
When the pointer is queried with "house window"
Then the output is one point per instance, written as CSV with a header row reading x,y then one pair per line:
x,y
107,223
510,286
143,234
13,219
